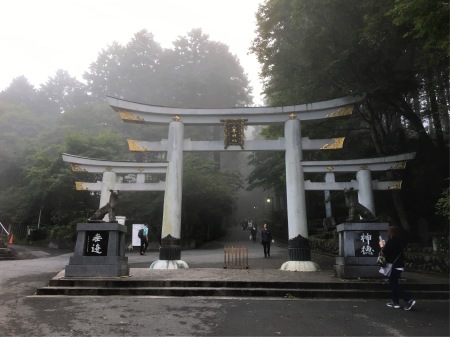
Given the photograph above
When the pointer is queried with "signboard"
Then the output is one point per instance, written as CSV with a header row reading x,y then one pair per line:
x,y
366,243
136,242
96,243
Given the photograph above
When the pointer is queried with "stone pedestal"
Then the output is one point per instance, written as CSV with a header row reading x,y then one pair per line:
x,y
358,249
99,251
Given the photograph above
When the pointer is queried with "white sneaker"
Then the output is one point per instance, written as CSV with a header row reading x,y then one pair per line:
x,y
409,304
393,305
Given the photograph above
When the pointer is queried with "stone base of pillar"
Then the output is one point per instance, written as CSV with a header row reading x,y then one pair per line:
x,y
170,249
300,266
169,264
298,249
299,254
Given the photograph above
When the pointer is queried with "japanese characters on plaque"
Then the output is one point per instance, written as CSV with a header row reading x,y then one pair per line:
x,y
96,243
234,132
366,243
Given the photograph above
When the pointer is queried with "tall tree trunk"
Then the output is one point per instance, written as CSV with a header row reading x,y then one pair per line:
x,y
399,207
434,109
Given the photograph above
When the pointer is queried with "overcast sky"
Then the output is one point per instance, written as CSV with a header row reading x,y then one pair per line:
x,y
38,37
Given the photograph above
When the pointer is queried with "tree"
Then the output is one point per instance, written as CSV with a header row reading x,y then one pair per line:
x,y
205,208
20,91
104,76
206,74
316,50
64,90
322,49
36,133
127,71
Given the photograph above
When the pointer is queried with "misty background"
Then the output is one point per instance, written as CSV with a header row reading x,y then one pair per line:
x,y
394,53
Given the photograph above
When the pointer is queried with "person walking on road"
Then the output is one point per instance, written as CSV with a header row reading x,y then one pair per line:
x,y
393,251
144,239
266,238
253,232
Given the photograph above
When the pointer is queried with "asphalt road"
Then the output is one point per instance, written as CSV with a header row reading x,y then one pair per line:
x,y
23,314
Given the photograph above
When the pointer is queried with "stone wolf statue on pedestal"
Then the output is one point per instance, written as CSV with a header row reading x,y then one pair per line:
x,y
109,208
355,209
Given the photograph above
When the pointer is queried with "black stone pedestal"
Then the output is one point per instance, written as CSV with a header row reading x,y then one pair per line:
x,y
358,249
99,251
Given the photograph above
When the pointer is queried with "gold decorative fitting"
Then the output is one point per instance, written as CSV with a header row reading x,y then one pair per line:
x,y
133,146
292,116
344,111
77,168
337,144
176,118
80,187
330,168
108,168
397,186
399,166
140,169
128,116
234,132
364,167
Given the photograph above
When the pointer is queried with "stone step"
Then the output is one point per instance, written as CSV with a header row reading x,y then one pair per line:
x,y
85,287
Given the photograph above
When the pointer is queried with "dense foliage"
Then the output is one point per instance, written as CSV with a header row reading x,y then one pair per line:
x,y
67,116
395,53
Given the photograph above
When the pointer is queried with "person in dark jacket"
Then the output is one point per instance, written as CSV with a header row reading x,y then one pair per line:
x,y
266,238
393,251
253,232
144,239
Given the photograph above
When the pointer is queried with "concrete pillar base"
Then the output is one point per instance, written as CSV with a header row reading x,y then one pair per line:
x,y
300,266
169,264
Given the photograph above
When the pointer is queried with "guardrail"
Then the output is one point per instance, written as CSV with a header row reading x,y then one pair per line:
x,y
3,231
235,257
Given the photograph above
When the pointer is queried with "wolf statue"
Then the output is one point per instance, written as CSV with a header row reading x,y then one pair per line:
x,y
109,208
355,209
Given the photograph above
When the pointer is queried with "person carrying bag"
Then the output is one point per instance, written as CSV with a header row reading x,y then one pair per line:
x,y
392,250
386,269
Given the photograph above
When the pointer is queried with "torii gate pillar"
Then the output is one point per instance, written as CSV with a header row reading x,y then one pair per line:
x,y
170,250
365,192
329,177
299,251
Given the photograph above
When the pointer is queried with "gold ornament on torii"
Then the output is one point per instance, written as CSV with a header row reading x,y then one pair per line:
x,y
133,146
130,117
344,111
77,168
337,144
234,132
80,187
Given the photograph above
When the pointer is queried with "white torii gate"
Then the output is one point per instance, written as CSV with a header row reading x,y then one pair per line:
x,y
363,184
293,144
109,171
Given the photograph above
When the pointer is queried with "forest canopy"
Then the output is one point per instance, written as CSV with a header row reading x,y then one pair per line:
x,y
394,53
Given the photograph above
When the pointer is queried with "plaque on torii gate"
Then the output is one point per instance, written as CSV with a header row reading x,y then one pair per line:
x,y
292,144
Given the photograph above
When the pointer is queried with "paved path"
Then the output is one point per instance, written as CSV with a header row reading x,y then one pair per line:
x,y
22,314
